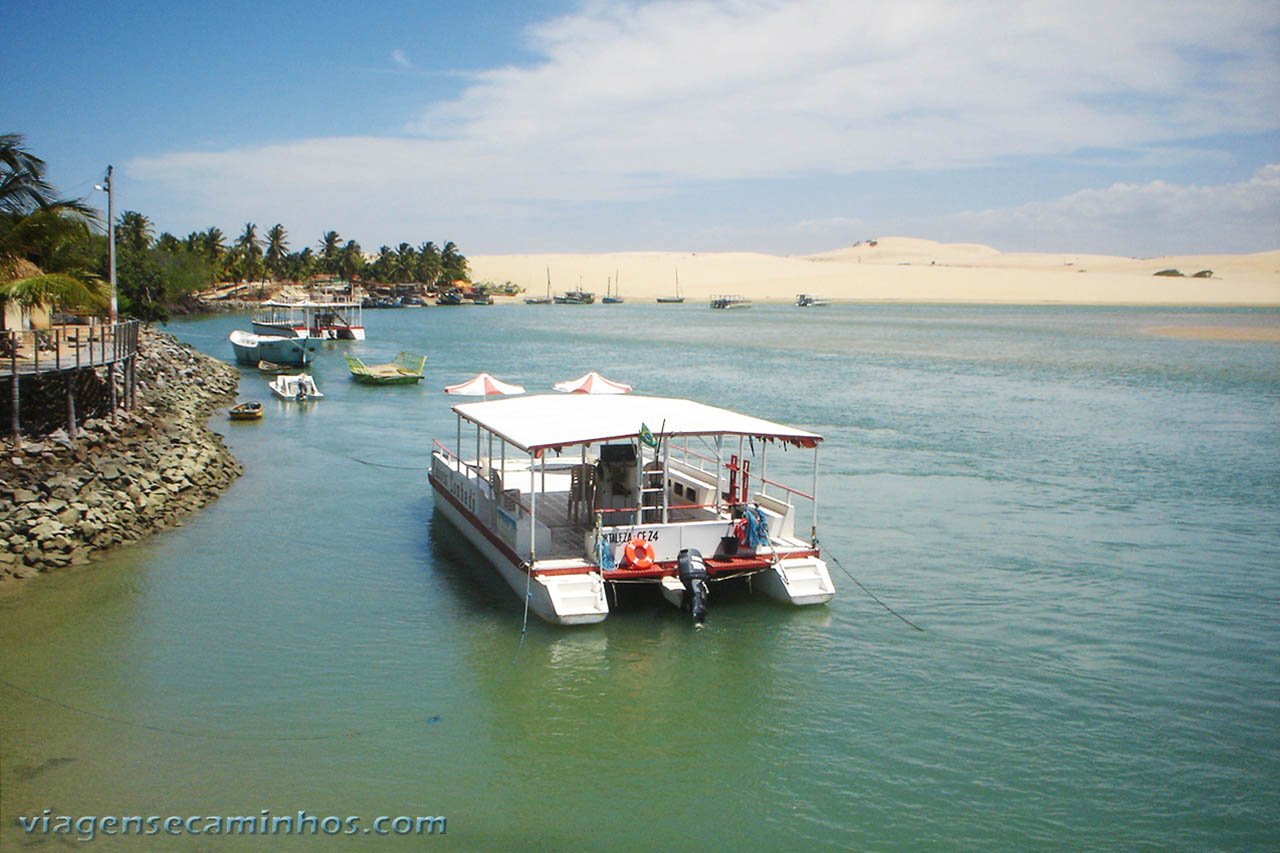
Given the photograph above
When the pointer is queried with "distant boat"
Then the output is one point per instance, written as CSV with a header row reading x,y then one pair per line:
x,y
481,298
251,349
576,297
730,300
614,298
332,320
673,300
541,300
808,300
250,411
299,386
452,296
405,369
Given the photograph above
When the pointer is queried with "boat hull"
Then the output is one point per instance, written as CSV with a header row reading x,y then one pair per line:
x,y
255,348
511,567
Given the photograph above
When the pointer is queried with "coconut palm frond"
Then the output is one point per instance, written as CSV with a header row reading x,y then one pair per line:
x,y
57,290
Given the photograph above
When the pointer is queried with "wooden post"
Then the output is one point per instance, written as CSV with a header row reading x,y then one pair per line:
x,y
13,374
111,382
71,403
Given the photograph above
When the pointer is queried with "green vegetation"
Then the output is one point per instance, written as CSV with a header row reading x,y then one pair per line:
x,y
55,242
1171,273
1203,274
47,249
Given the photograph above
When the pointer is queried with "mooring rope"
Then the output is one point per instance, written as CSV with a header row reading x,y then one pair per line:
x,y
872,595
385,465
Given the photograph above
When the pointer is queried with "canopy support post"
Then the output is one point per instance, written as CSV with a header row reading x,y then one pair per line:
x,y
813,529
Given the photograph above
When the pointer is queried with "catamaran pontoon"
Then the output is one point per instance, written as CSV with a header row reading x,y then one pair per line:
x,y
568,494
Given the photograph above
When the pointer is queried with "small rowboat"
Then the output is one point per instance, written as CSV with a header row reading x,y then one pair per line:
x,y
273,368
250,411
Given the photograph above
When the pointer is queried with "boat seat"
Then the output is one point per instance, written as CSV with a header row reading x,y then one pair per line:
x,y
582,488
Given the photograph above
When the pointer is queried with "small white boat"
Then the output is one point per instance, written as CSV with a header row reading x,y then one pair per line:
x,y
730,300
569,494
808,300
251,348
296,386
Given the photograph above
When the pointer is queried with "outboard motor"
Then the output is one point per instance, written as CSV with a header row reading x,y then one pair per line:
x,y
694,575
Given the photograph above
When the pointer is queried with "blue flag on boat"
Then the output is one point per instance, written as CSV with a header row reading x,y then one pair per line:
x,y
647,437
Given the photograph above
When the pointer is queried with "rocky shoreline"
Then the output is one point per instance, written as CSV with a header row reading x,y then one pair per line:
x,y
62,499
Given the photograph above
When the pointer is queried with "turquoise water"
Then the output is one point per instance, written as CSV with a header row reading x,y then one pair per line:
x,y
1083,518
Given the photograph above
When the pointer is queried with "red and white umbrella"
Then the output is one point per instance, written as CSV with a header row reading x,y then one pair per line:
x,y
592,383
483,385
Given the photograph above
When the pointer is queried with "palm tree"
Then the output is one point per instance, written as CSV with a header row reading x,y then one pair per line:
x,y
23,188
250,251
350,260
25,285
277,249
428,266
134,230
405,263
453,263
330,245
38,227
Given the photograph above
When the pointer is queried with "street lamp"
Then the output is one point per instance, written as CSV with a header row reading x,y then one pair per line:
x,y
107,187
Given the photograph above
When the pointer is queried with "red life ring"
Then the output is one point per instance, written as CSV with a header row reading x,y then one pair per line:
x,y
639,554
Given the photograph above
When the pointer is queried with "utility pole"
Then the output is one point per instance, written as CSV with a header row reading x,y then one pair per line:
x,y
108,186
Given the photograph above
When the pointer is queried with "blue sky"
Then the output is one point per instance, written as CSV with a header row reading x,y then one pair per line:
x,y
1131,128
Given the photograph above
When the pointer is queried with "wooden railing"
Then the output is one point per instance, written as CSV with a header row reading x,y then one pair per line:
x,y
67,347
33,352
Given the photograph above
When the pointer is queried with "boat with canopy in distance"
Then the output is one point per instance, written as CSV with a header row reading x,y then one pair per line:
x,y
570,495
328,320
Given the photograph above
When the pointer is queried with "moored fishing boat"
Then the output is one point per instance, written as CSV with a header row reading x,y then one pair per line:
x,y
673,300
677,508
405,369
808,300
248,411
250,348
299,386
332,320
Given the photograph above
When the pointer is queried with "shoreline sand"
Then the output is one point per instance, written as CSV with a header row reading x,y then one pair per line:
x,y
902,269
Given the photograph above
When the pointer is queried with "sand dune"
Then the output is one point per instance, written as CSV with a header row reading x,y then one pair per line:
x,y
903,269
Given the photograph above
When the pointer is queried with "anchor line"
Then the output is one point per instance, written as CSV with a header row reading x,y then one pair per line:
x,y
871,594
384,465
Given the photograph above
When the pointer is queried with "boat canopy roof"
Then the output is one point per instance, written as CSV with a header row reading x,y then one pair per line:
x,y
544,421
309,303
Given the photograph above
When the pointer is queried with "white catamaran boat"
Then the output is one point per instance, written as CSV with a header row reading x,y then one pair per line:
x,y
568,495
334,320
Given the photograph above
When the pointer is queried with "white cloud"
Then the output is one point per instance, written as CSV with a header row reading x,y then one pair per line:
x,y
400,60
1154,218
636,101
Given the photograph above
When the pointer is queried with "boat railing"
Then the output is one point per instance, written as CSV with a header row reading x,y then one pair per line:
x,y
687,452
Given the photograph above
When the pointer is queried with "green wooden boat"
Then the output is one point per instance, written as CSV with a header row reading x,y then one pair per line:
x,y
406,369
